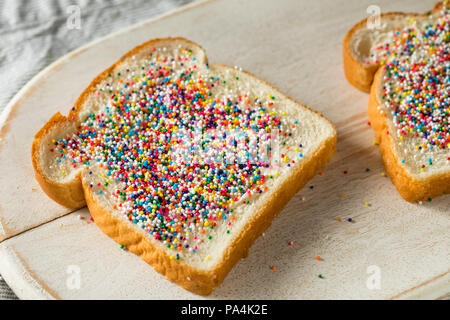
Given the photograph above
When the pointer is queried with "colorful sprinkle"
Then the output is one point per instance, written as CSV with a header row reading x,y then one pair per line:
x,y
417,79
176,153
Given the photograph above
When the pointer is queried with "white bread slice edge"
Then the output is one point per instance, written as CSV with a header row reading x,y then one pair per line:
x,y
74,193
360,40
411,184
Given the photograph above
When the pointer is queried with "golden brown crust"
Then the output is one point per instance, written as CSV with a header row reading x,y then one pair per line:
x,y
73,114
369,78
198,281
357,73
68,194
409,187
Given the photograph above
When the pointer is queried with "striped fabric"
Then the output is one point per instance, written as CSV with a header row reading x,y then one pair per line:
x,y
5,292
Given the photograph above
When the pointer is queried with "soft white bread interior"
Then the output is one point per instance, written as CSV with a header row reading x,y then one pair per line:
x,y
367,37
305,143
420,170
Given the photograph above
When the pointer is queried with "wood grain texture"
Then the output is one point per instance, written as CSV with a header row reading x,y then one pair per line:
x,y
301,55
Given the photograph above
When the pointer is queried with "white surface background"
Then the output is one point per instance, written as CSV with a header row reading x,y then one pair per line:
x,y
296,45
33,34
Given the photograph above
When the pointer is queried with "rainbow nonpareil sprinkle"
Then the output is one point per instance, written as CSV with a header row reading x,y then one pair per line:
x,y
417,82
164,140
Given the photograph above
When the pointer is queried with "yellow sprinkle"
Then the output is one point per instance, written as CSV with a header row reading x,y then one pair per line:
x,y
207,258
383,174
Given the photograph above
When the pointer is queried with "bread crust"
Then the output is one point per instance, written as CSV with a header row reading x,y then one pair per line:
x,y
358,74
68,194
76,194
203,282
409,187
370,78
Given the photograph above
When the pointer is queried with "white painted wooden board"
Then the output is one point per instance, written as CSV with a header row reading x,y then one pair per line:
x,y
296,46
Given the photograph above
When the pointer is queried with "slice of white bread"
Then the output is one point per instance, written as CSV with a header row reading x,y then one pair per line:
x,y
404,121
138,104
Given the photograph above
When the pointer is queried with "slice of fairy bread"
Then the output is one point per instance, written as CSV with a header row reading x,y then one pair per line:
x,y
184,163
405,63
